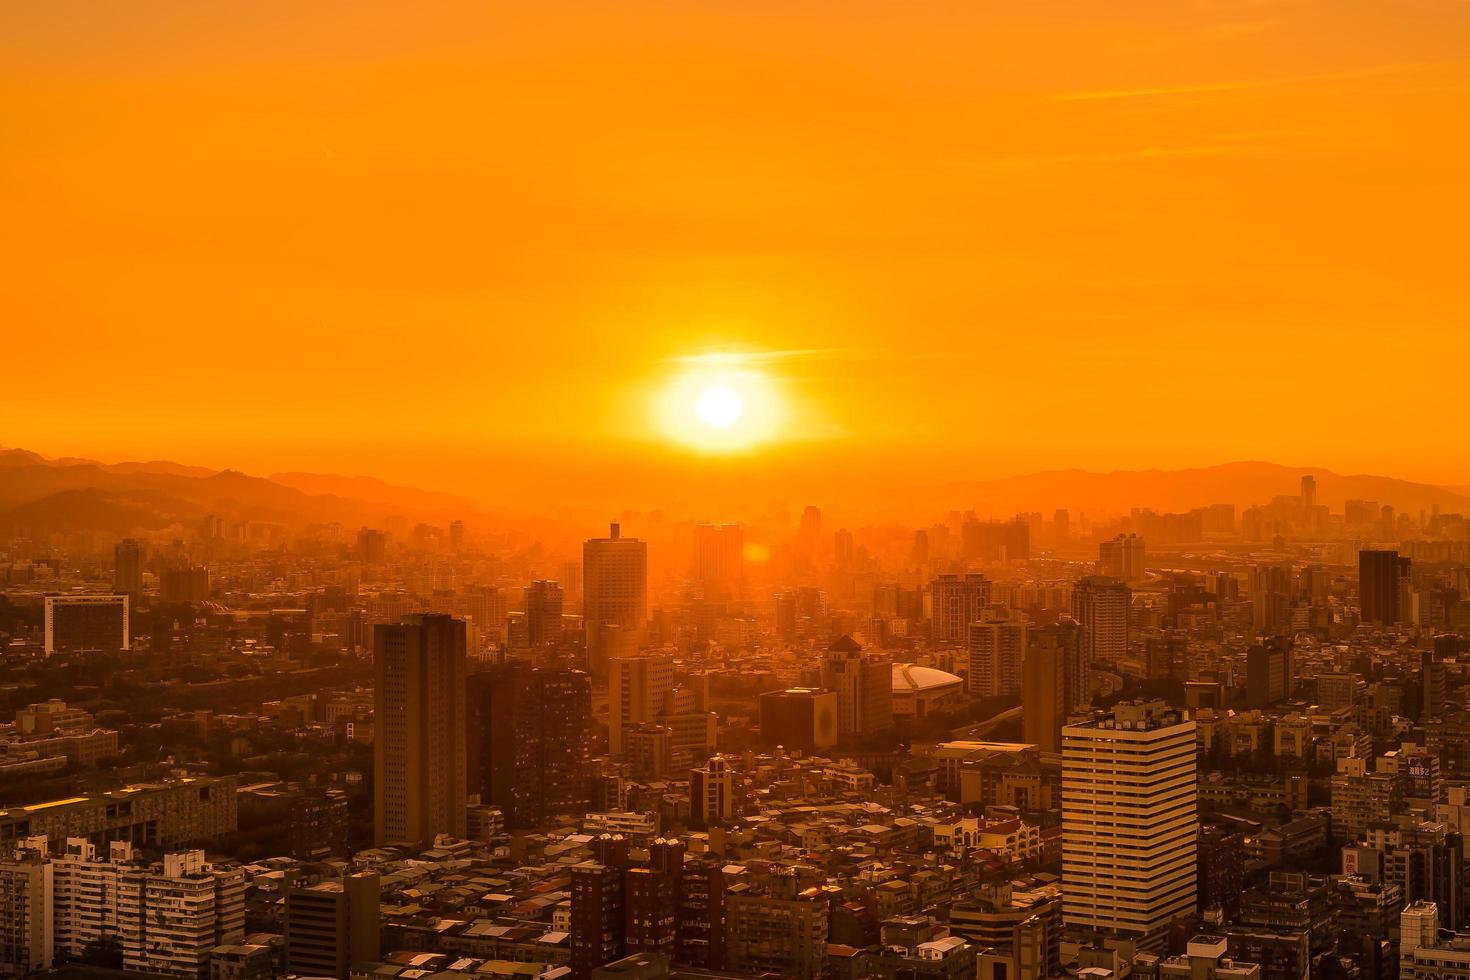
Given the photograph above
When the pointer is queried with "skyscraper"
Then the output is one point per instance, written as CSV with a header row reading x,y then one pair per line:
x,y
544,601
1309,491
1379,573
1100,606
419,746
1129,823
127,568
957,601
719,561
614,593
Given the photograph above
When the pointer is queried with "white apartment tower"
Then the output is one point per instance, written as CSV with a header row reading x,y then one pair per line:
x,y
1129,821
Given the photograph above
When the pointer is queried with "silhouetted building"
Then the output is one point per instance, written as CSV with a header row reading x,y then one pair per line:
x,y
419,740
614,594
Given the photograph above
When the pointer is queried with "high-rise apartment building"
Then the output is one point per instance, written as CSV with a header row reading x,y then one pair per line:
x,y
27,927
544,602
863,683
86,624
638,689
419,744
956,601
995,650
1129,821
598,914
172,917
166,918
614,594
527,741
1121,558
332,925
1100,606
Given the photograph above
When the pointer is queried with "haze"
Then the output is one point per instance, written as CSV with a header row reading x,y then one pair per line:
x,y
465,249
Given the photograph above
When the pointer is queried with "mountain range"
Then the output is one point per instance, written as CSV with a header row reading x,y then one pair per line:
x,y
39,496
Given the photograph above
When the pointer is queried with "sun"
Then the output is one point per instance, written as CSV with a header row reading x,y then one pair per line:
x,y
720,406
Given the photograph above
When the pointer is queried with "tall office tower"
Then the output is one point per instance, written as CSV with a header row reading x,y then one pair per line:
x,y
1061,527
864,686
598,919
127,568
1309,491
1121,558
614,593
719,561
456,535
1431,685
712,793
1269,673
543,613
957,601
1100,606
995,650
27,912
332,925
1379,573
638,687
86,624
527,741
1129,822
1055,681
419,744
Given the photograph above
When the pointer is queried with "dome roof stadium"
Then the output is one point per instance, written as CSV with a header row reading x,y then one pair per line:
x,y
912,677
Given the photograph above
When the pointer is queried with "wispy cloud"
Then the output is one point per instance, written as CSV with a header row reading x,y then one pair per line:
x,y
736,357
1211,88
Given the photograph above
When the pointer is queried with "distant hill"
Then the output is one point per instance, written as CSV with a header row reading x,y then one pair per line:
x,y
375,491
1242,484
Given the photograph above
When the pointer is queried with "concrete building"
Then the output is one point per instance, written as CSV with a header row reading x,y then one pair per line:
x,y
419,748
614,595
87,624
330,926
1129,824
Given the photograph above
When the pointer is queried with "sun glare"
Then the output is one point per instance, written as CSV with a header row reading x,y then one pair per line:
x,y
720,407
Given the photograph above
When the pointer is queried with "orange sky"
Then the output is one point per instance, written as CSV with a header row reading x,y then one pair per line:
x,y
1000,236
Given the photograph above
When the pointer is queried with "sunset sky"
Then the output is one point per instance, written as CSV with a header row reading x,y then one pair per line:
x,y
482,242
